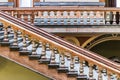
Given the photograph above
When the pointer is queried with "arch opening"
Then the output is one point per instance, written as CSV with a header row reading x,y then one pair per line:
x,y
109,49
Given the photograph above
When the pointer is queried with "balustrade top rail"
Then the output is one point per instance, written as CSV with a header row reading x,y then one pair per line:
x,y
60,8
74,50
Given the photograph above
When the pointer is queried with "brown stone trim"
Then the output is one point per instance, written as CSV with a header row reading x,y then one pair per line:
x,y
58,8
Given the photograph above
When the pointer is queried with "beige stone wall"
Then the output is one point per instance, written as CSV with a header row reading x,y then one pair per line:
x,y
3,0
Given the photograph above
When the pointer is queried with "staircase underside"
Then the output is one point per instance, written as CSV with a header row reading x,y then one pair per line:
x,y
39,68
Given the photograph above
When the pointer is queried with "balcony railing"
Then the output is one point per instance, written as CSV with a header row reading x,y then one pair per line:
x,y
67,15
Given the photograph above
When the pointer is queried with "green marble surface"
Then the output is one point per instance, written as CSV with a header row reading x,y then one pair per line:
x,y
12,71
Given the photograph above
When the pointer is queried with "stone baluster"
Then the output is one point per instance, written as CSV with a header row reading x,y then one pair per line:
x,y
52,57
99,74
47,46
22,17
43,58
62,62
24,50
81,75
43,53
62,67
72,72
5,35
53,63
71,65
14,46
91,72
81,68
15,43
5,41
107,18
114,18
34,48
76,59
29,18
34,55
24,47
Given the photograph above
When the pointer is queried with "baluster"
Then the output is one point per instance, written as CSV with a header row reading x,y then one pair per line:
x,y
24,50
81,71
72,72
44,59
12,13
5,41
107,18
29,18
34,48
100,74
14,45
34,55
47,46
24,47
91,72
52,57
15,39
81,18
114,18
72,65
62,61
62,67
43,54
5,35
22,17
32,16
53,63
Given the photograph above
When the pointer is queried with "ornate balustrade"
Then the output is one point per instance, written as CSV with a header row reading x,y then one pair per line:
x,y
6,4
62,15
57,53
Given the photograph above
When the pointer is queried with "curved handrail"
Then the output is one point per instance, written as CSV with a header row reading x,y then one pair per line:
x,y
59,42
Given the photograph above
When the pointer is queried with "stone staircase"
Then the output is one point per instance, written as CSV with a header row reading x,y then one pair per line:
x,y
48,54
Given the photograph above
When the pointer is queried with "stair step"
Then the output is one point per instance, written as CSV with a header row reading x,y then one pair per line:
x,y
53,65
14,48
34,56
5,43
62,69
91,79
72,74
44,61
82,77
23,53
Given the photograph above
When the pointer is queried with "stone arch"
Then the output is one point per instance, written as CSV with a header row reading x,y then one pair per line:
x,y
89,40
99,39
72,40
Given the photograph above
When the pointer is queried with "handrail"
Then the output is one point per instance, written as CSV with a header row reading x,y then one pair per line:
x,y
74,50
60,8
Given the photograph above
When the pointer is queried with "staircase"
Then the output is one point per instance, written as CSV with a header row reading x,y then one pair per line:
x,y
50,55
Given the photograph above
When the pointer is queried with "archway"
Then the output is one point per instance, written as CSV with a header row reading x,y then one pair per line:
x,y
107,48
107,45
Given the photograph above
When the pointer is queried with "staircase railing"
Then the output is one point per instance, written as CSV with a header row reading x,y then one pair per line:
x,y
67,15
67,57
